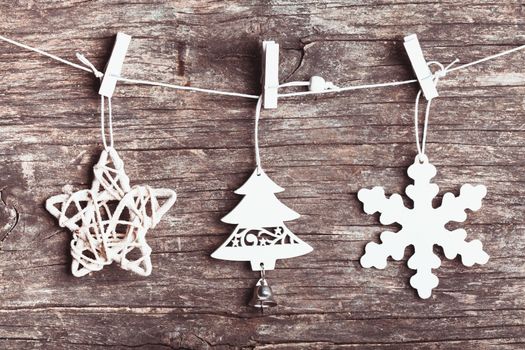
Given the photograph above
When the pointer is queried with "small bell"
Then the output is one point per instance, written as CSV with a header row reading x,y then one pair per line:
x,y
262,294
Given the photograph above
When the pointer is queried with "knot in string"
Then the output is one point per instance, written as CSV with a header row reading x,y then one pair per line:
x,y
90,65
441,73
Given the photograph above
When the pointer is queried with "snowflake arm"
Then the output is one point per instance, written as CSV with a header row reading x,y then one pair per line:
x,y
392,209
423,261
453,208
392,244
454,243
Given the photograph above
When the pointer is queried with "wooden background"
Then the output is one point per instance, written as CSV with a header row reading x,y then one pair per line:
x,y
321,149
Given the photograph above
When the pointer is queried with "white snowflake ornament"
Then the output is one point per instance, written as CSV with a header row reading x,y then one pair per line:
x,y
423,226
110,221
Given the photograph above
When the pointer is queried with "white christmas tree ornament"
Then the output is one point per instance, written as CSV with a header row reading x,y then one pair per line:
x,y
423,226
260,236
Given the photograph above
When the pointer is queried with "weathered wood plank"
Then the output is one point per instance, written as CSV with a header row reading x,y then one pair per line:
x,y
321,149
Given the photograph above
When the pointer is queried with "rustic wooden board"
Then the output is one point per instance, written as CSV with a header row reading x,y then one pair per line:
x,y
321,149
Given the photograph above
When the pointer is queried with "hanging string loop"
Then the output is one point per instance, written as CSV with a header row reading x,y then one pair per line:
x,y
256,133
103,123
441,73
99,75
263,272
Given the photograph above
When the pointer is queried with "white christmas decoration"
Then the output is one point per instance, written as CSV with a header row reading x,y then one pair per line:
x,y
423,226
110,221
261,236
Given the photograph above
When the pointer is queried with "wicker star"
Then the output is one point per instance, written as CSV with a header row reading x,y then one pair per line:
x,y
110,221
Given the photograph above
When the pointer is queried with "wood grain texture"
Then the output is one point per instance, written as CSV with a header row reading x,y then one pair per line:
x,y
321,149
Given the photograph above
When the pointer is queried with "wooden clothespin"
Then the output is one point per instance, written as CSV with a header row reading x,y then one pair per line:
x,y
420,66
114,65
270,74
